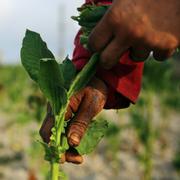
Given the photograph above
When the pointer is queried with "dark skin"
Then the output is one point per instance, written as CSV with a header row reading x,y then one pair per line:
x,y
139,25
85,104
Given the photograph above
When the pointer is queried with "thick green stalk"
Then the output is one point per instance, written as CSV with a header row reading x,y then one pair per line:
x,y
60,123
54,171
85,75
80,81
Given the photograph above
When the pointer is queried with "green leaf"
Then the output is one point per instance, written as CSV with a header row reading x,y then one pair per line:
x,y
90,15
51,83
34,49
93,13
84,75
84,39
47,149
95,132
69,72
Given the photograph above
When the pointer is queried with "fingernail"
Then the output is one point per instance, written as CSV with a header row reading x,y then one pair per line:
x,y
74,139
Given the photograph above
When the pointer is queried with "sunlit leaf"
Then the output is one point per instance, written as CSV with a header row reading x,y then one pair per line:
x,y
51,84
34,49
95,132
69,72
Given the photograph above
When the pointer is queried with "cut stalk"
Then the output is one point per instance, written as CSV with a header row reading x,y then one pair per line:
x,y
87,73
54,171
60,121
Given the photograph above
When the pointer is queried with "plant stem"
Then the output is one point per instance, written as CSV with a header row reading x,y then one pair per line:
x,y
60,122
82,78
54,171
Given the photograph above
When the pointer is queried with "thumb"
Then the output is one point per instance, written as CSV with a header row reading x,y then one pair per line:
x,y
91,104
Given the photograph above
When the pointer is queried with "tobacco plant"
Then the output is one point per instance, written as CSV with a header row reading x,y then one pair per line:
x,y
58,82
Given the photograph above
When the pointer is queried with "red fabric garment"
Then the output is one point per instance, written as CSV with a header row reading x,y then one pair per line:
x,y
123,80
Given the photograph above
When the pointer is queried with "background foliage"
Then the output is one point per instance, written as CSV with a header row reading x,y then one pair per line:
x,y
142,141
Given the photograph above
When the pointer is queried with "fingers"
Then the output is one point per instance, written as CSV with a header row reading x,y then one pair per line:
x,y
48,123
112,53
74,104
45,130
92,103
69,113
103,39
162,44
72,156
100,36
83,106
163,55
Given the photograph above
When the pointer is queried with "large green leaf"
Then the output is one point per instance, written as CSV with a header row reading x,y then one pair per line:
x,y
95,132
34,49
69,72
84,75
51,83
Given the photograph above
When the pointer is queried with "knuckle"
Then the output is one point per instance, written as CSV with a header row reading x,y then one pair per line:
x,y
162,42
75,101
99,98
92,92
104,58
143,20
136,32
172,44
88,90
98,94
168,44
114,17
153,42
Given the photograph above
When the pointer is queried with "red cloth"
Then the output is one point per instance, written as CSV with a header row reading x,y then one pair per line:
x,y
123,80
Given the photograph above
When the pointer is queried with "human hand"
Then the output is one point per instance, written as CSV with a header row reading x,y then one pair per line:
x,y
138,25
85,105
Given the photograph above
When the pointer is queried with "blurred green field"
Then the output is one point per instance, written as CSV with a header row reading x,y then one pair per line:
x,y
142,141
